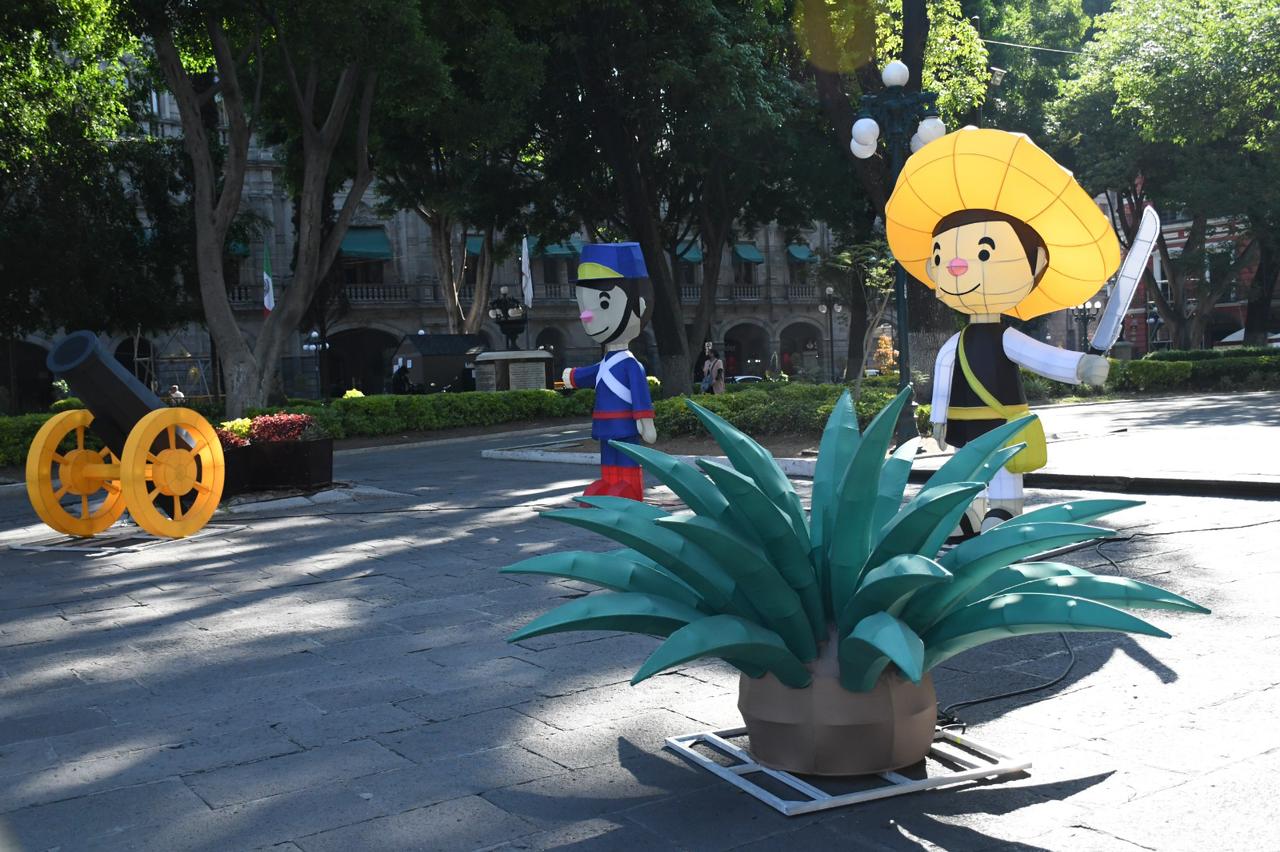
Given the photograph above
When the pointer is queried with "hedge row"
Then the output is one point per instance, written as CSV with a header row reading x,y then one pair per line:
x,y
1259,372
388,414
1209,354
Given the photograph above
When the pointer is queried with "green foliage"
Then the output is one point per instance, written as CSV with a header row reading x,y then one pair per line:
x,y
66,404
1147,376
16,434
1210,354
748,563
388,414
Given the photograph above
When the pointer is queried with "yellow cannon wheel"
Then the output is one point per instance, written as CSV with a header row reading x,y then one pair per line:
x,y
149,475
53,474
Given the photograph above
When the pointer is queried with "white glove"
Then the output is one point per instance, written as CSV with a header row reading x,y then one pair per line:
x,y
647,430
1093,370
568,371
940,434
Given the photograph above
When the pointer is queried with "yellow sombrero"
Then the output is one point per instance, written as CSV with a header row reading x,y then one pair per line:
x,y
994,170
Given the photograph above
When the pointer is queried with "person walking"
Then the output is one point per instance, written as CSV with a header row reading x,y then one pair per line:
x,y
712,373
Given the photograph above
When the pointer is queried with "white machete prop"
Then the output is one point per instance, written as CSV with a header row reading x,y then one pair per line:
x,y
1135,262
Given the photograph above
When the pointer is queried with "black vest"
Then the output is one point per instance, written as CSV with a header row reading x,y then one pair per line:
x,y
983,344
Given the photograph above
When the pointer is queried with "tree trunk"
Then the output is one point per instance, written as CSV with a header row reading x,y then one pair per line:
x,y
1257,321
858,323
484,278
442,245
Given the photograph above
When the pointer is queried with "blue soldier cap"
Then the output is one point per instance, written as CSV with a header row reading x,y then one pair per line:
x,y
602,261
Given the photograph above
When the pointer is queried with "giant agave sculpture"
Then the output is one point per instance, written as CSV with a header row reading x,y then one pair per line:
x,y
835,616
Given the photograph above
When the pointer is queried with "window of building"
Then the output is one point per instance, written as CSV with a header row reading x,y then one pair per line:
x,y
355,272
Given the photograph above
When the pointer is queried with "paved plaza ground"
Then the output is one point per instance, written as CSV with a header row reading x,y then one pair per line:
x,y
335,677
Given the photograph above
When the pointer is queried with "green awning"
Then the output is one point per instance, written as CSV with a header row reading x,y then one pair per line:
x,y
366,243
474,245
801,253
564,249
748,253
238,249
689,252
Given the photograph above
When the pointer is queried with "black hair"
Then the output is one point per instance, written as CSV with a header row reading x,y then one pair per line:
x,y
635,289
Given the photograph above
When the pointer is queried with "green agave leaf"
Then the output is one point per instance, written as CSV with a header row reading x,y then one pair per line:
x,y
643,511
840,439
633,612
685,560
926,522
610,571
1113,591
855,504
1012,575
893,482
969,461
874,642
1016,614
756,462
774,530
730,638
1076,512
684,480
974,560
888,587
759,580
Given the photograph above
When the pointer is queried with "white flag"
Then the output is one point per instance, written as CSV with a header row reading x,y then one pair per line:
x,y
268,289
526,277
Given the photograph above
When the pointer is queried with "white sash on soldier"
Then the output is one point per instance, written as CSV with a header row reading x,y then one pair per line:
x,y
610,380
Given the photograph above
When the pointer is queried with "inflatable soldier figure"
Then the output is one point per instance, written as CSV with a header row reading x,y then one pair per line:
x,y
998,229
615,297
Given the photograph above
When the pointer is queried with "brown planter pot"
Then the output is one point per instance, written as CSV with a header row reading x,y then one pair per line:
x,y
824,729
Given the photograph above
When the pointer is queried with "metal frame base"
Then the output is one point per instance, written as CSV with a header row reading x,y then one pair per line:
x,y
119,538
962,759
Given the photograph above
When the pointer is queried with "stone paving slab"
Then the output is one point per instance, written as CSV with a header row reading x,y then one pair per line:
x,y
337,677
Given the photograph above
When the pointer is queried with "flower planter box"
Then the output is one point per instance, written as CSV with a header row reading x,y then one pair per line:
x,y
267,466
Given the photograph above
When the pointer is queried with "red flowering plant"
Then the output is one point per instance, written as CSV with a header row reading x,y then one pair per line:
x,y
281,427
229,439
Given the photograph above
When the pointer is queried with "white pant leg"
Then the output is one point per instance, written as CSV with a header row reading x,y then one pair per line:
x,y
1005,486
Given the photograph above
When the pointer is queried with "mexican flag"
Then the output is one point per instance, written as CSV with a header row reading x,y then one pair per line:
x,y
268,289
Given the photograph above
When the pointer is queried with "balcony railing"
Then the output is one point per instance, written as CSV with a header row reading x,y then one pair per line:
x,y
364,294
802,293
690,293
745,292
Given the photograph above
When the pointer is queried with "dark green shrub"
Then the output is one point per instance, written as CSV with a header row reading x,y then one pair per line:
x,y
1209,354
1150,376
67,404
16,434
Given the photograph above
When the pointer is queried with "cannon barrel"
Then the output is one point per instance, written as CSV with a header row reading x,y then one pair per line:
x,y
114,395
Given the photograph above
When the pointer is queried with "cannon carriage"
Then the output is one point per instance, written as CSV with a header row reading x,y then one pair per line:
x,y
164,465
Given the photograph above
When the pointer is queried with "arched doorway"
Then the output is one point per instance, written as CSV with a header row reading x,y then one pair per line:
x,y
552,340
360,359
25,382
137,359
746,350
803,352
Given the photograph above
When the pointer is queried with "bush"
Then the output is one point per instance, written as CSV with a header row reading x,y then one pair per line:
x,y
1210,354
16,434
1148,376
229,439
279,427
353,393
238,427
67,404
793,407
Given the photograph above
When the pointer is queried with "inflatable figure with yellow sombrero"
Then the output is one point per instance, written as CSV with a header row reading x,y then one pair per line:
x,y
997,228
615,297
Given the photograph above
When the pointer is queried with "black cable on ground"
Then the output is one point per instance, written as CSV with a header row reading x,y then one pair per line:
x,y
947,718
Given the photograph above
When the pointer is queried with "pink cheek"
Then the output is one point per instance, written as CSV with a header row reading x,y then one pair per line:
x,y
586,316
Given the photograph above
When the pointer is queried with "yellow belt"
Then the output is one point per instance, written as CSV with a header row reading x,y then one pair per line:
x,y
984,412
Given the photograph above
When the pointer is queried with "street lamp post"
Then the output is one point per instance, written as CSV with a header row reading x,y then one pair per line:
x,y
1083,314
831,306
510,316
890,116
317,345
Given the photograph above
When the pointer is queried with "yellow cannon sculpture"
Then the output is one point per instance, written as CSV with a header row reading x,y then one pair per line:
x,y
164,465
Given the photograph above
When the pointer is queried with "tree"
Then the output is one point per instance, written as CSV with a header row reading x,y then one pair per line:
x,y
846,42
329,62
862,277
463,159
1160,113
660,122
